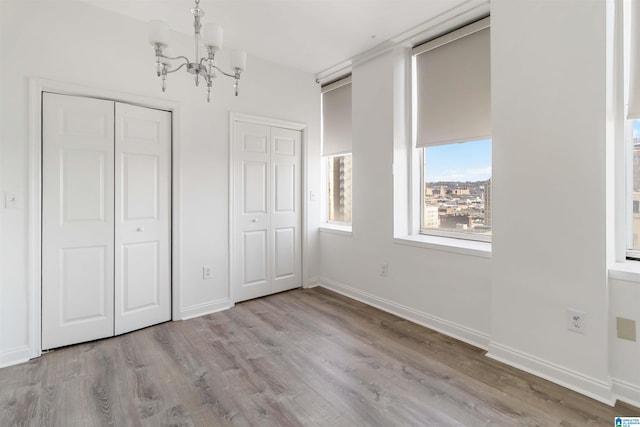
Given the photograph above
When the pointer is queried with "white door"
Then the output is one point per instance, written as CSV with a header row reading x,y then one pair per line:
x,y
105,219
286,218
142,206
267,239
77,220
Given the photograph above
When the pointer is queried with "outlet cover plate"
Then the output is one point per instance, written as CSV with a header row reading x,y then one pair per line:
x,y
576,321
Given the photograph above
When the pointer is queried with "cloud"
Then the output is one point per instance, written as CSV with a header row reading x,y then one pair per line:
x,y
479,171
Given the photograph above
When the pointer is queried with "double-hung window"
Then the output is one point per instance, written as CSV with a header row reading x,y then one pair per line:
x,y
336,151
452,132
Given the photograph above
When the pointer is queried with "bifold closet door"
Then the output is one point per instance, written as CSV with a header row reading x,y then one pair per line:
x,y
105,218
143,213
77,219
267,202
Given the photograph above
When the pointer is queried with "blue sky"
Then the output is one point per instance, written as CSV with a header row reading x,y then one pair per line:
x,y
636,128
469,161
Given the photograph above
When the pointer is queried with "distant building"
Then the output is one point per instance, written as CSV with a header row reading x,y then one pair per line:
x,y
430,217
456,221
460,192
487,203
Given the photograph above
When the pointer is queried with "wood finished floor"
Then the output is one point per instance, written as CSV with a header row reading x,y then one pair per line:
x,y
300,358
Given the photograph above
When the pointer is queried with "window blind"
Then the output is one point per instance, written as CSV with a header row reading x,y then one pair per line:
x,y
453,86
336,118
634,70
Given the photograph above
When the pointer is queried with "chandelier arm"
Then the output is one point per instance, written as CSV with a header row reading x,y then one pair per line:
x,y
174,58
176,69
226,74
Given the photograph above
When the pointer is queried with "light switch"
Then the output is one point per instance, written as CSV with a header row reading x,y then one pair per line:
x,y
11,200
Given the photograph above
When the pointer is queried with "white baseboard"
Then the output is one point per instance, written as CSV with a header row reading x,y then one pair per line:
x,y
583,384
462,333
312,282
198,310
626,392
14,356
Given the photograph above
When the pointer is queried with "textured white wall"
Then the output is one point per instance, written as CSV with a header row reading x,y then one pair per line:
x,y
81,44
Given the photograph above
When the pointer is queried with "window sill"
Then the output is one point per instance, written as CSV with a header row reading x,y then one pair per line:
x,y
447,244
342,230
628,271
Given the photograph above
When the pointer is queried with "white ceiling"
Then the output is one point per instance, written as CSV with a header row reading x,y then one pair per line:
x,y
310,35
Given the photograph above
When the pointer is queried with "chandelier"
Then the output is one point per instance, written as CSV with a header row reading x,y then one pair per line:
x,y
202,67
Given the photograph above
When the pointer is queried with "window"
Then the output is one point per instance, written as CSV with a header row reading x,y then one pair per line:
x,y
452,132
632,130
456,190
336,150
339,189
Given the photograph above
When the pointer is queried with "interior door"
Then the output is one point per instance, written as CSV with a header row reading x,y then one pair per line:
x,y
77,219
252,207
267,207
286,242
143,213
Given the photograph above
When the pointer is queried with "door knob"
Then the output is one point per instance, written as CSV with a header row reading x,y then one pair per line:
x,y
140,229
254,220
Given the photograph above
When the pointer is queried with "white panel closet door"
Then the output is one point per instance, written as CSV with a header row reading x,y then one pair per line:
x,y
143,213
286,215
252,206
77,219
267,239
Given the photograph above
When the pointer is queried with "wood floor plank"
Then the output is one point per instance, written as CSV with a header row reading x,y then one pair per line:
x,y
300,358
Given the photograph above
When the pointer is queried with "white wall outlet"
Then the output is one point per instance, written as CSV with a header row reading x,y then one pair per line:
x,y
384,269
11,200
576,321
207,272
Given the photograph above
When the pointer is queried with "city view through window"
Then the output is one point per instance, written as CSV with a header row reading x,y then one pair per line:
x,y
457,188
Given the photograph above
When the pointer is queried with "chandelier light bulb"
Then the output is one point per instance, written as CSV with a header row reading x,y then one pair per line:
x,y
212,36
159,33
238,60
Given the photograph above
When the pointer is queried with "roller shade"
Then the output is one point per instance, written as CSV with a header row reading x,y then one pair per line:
x,y
634,69
453,79
336,118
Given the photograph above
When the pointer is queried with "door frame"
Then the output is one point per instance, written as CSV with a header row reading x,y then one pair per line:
x,y
234,118
34,243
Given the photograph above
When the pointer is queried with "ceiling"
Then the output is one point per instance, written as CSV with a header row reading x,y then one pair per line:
x,y
310,35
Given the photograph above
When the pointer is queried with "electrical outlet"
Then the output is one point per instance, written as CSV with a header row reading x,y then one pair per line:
x,y
207,272
576,321
384,269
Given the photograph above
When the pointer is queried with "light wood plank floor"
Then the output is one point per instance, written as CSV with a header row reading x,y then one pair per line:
x,y
305,357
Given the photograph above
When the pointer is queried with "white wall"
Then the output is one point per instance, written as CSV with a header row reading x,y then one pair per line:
x,y
78,43
447,291
549,90
549,121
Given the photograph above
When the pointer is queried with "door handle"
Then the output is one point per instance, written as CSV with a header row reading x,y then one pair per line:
x,y
140,229
254,220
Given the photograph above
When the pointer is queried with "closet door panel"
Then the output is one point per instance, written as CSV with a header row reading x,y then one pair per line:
x,y
143,217
77,219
